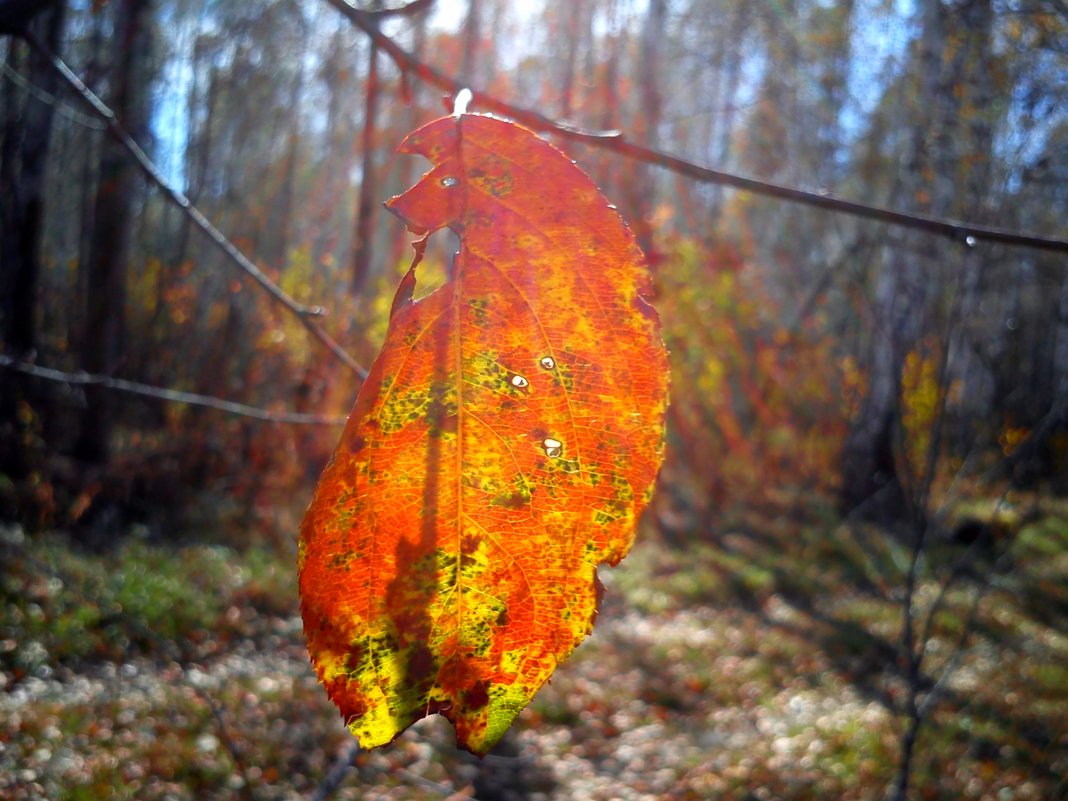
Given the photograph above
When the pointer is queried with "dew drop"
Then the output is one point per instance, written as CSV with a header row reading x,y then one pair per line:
x,y
518,381
548,362
553,447
970,241
449,181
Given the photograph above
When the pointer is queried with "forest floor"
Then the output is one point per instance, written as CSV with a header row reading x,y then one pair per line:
x,y
761,664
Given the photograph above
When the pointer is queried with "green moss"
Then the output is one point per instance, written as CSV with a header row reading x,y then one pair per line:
x,y
61,604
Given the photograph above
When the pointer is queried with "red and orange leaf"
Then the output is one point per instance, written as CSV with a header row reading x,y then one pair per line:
x,y
503,445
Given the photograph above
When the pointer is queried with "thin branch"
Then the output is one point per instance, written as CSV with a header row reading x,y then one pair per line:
x,y
337,773
224,734
230,250
430,784
962,232
170,395
958,570
343,763
49,99
408,10
951,665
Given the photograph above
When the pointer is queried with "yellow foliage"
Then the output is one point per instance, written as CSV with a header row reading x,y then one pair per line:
x,y
757,407
854,385
1011,437
921,400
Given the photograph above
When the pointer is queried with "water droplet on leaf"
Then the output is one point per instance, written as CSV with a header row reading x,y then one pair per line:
x,y
970,241
548,362
449,181
519,381
553,447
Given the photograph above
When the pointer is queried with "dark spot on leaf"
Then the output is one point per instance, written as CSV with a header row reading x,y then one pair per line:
x,y
478,696
340,559
354,658
420,663
511,500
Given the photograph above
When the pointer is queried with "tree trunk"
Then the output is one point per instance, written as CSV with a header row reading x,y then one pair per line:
x,y
23,158
406,168
17,15
365,211
571,43
101,350
642,184
871,484
609,88
284,226
975,72
471,34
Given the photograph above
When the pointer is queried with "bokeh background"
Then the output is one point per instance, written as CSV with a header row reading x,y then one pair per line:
x,y
852,582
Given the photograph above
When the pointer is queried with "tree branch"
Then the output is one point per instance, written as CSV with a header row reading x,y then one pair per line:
x,y
962,232
48,99
224,735
170,395
408,10
230,250
337,773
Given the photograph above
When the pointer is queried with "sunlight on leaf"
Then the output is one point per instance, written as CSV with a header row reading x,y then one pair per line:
x,y
503,445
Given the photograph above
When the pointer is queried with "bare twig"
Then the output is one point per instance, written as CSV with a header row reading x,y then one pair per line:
x,y
963,232
915,641
337,773
227,741
407,10
951,664
49,99
302,312
171,395
443,789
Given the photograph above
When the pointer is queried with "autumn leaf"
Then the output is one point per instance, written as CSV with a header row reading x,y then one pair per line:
x,y
503,445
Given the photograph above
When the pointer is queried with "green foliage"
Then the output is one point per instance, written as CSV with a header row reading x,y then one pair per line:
x,y
64,606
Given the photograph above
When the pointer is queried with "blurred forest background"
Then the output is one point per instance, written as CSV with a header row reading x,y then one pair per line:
x,y
853,579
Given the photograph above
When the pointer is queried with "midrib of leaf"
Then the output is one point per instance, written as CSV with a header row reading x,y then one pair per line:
x,y
457,304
